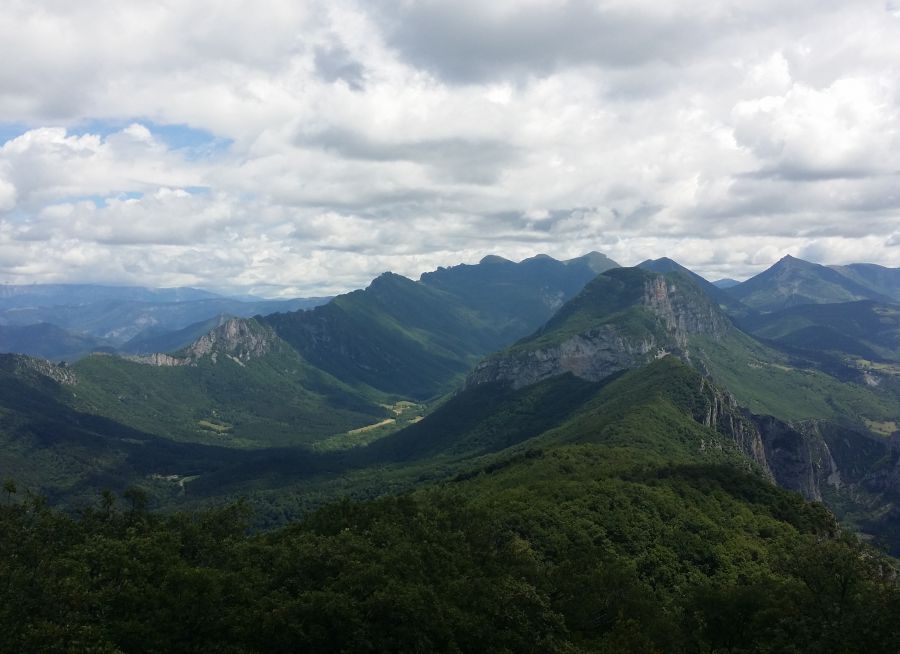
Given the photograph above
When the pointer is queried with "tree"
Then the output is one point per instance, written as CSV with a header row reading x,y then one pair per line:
x,y
107,500
9,487
137,496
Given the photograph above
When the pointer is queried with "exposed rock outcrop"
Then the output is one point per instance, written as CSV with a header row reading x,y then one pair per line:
x,y
241,339
725,416
593,355
799,459
675,312
59,373
683,312
796,457
158,359
238,339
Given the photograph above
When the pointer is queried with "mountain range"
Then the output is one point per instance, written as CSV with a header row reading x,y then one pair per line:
x,y
535,456
797,372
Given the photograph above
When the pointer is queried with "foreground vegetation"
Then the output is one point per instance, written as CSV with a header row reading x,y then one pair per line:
x,y
576,548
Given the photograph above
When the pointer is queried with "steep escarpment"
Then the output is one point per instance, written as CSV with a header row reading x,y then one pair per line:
x,y
624,318
796,457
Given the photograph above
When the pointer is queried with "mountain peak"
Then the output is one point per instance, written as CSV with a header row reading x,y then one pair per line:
x,y
238,339
493,259
792,281
788,261
596,261
539,257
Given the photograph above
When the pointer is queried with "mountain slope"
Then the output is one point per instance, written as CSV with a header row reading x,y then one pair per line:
x,y
885,281
238,386
596,261
417,339
575,549
865,328
622,319
791,282
67,455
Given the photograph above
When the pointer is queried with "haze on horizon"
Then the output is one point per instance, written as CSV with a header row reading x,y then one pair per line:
x,y
302,148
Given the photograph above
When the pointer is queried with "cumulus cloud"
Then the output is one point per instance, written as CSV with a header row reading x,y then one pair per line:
x,y
355,137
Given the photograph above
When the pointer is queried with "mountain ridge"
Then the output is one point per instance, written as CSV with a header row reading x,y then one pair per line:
x,y
791,281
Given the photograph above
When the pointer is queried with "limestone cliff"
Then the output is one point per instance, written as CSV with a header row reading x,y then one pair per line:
x,y
20,363
238,339
649,316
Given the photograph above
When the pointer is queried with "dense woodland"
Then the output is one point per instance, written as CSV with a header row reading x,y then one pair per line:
x,y
555,551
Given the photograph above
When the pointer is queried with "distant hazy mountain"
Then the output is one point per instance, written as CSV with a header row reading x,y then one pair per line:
x,y
121,320
877,278
791,282
597,262
49,295
864,328
48,341
726,282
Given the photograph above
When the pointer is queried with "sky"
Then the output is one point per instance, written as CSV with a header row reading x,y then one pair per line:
x,y
301,148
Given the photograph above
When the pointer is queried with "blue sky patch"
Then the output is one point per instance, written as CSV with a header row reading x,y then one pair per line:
x,y
9,131
193,142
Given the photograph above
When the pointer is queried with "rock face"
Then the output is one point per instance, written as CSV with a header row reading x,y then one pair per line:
x,y
238,339
682,312
799,460
673,310
158,359
59,373
795,457
723,414
593,355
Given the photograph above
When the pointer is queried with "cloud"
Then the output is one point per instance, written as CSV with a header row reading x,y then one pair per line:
x,y
310,146
847,130
49,164
473,41
335,63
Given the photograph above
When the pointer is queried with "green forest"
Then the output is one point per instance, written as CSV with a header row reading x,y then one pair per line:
x,y
575,549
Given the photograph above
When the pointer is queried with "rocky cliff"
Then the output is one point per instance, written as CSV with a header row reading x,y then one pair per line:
x,y
795,457
19,363
240,340
593,355
654,319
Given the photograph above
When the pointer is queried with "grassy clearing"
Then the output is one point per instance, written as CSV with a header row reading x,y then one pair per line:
x,y
368,428
405,414
214,426
883,428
